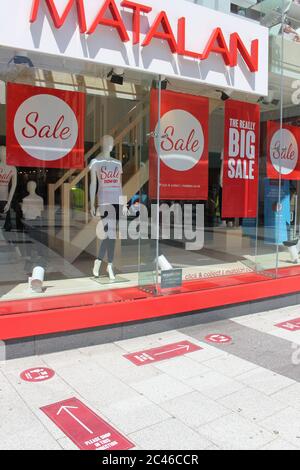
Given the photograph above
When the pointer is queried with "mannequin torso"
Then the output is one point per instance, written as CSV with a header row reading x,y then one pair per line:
x,y
108,172
32,205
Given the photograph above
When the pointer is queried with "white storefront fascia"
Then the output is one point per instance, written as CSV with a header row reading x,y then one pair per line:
x,y
105,46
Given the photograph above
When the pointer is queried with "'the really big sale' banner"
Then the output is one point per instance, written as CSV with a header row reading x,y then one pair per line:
x,y
241,153
183,149
45,127
283,151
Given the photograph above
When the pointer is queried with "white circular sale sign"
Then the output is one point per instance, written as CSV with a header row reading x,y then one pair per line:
x,y
46,127
182,141
284,151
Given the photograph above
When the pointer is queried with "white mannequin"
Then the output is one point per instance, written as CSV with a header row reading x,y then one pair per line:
x,y
32,205
110,195
8,174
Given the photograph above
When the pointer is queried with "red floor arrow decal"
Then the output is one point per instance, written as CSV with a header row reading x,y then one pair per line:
x,y
290,325
162,353
86,429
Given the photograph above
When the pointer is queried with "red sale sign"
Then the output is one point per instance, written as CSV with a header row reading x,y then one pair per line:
x,y
283,151
45,127
241,154
183,148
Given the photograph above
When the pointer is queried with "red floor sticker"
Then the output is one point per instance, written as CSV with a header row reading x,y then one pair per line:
x,y
162,353
38,374
219,339
292,325
86,429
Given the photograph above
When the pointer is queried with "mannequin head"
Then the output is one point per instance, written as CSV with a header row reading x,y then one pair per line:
x,y
3,155
107,144
31,187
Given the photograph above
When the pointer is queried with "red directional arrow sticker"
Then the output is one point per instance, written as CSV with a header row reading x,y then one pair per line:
x,y
162,353
292,325
86,429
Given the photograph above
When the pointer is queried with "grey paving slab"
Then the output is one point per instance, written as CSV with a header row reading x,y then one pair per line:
x,y
134,414
233,432
66,444
161,388
194,409
252,404
289,396
231,366
66,358
182,368
265,381
32,438
214,385
98,350
285,425
21,364
208,352
170,435
279,444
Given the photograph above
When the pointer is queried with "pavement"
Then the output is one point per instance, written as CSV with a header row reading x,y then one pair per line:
x,y
241,394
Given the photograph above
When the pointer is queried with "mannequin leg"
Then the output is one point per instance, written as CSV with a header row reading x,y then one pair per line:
x,y
107,246
98,262
103,249
111,250
112,236
7,224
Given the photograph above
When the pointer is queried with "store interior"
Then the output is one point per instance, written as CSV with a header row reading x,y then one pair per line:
x,y
49,222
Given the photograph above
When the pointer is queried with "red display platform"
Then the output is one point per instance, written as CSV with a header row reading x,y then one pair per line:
x,y
28,318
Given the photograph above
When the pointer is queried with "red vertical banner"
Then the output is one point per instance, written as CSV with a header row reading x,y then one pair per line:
x,y
241,164
183,152
283,151
45,127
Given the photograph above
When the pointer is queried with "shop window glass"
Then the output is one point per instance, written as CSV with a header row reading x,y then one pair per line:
x,y
66,230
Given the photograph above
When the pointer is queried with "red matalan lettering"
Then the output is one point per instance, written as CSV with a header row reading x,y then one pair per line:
x,y
218,45
114,22
60,20
167,33
237,45
136,18
110,16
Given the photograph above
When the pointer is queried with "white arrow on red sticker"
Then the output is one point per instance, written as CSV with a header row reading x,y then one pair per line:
x,y
67,410
180,348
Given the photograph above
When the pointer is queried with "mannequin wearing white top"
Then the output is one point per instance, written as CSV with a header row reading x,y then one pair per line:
x,y
106,173
8,177
32,205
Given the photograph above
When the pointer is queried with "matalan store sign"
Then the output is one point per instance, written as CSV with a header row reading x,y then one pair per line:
x,y
173,38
